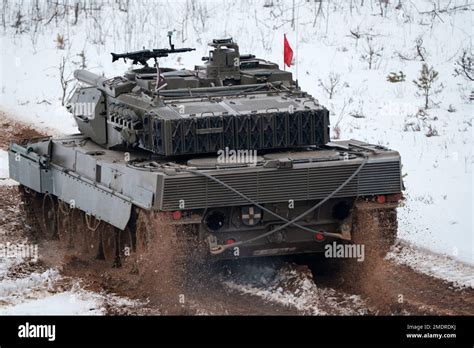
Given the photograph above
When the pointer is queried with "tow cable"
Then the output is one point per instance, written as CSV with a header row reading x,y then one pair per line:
x,y
218,249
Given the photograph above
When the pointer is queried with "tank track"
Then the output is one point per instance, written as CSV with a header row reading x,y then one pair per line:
x,y
32,208
164,254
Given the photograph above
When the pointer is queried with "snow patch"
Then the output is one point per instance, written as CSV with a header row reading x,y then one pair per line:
x,y
4,174
435,265
65,303
48,293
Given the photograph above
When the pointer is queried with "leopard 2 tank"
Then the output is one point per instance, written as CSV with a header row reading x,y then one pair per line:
x,y
231,159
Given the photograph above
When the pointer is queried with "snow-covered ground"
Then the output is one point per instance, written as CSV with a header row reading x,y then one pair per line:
x,y
440,266
4,176
46,292
438,212
35,294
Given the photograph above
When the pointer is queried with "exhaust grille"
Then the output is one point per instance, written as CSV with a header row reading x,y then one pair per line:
x,y
279,185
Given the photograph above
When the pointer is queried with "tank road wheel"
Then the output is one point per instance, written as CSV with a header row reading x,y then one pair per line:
x,y
32,206
141,235
109,243
65,234
92,237
125,243
79,236
49,216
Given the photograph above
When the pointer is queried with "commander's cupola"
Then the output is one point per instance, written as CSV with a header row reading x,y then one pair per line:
x,y
223,63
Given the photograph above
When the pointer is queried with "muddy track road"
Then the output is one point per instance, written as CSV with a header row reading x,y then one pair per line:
x,y
388,288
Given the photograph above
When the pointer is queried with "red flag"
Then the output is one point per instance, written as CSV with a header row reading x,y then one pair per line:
x,y
287,52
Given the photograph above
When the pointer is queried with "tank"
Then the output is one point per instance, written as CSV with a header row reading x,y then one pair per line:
x,y
228,160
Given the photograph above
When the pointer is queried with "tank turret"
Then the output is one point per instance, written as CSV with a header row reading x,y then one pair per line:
x,y
232,101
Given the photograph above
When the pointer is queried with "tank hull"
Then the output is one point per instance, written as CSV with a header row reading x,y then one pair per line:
x,y
218,198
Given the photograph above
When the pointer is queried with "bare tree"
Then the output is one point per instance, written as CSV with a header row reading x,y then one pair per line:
x,y
76,13
381,3
464,65
420,50
293,15
64,80
318,11
19,22
372,52
330,87
82,56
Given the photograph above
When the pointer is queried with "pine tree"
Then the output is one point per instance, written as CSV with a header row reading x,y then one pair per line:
x,y
425,82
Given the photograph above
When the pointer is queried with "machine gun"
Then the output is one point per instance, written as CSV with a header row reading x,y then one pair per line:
x,y
144,55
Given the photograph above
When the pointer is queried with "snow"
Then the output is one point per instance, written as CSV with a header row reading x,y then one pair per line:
x,y
49,293
66,303
461,275
28,288
438,212
35,294
4,177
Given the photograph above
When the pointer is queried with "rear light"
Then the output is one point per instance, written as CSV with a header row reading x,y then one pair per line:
x,y
319,236
177,215
381,199
230,241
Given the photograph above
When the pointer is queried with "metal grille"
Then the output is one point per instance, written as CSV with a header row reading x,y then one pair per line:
x,y
208,134
277,185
